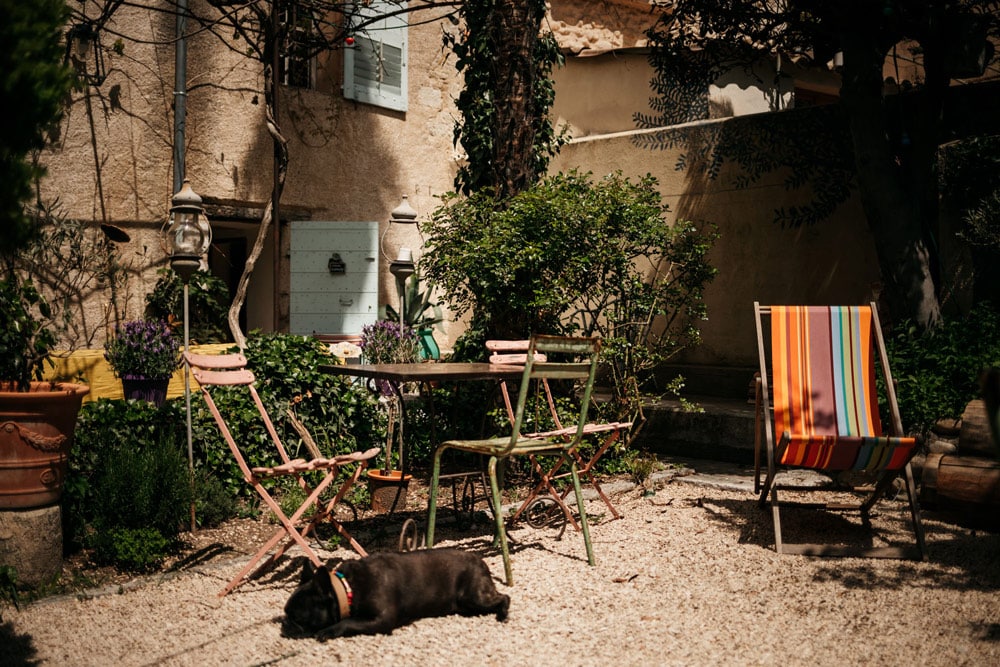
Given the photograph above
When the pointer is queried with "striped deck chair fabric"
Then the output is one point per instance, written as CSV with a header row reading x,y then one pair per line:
x,y
825,399
820,366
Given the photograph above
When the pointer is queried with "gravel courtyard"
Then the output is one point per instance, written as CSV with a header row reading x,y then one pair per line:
x,y
688,577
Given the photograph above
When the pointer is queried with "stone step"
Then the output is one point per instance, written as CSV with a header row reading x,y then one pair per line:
x,y
722,429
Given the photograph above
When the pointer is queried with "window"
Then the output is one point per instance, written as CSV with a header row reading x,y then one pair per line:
x,y
375,65
298,65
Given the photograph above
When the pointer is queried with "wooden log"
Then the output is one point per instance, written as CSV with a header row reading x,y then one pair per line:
x,y
976,438
961,481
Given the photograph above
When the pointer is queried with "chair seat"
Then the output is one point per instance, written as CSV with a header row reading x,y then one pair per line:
x,y
497,446
838,453
588,429
297,466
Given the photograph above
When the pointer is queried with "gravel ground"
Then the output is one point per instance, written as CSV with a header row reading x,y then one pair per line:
x,y
688,577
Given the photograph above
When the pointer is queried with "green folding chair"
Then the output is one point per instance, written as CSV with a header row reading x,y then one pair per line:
x,y
547,358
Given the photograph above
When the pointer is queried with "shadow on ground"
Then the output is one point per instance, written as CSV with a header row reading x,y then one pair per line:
x,y
18,650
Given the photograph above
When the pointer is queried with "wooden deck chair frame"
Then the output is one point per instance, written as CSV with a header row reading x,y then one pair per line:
x,y
514,352
814,350
229,370
582,368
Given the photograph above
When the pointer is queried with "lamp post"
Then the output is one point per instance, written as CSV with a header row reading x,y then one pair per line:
x,y
188,239
402,267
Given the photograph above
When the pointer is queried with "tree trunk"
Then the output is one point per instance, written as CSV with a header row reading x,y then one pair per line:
x,y
516,32
281,172
888,176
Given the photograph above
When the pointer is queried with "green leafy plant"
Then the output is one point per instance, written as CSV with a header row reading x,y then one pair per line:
x,y
575,255
127,500
25,341
131,549
419,312
34,83
8,586
143,349
208,305
504,128
101,424
937,373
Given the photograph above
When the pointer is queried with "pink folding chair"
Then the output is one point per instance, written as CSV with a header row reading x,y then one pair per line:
x,y
229,370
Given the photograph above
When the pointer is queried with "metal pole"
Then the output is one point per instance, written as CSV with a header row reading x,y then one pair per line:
x,y
180,94
187,403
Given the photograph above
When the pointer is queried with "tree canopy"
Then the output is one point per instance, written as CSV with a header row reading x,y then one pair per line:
x,y
33,85
894,130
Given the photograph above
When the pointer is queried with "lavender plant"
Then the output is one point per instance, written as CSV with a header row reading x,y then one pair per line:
x,y
143,349
385,342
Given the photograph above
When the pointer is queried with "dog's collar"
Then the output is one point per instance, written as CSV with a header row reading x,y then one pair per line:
x,y
343,591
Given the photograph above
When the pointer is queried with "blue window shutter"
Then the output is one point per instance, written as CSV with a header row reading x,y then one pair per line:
x,y
375,66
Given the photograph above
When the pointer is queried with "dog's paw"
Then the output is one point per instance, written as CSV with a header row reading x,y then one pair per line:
x,y
502,610
328,633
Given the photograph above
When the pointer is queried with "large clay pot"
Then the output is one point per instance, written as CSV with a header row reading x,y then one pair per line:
x,y
36,433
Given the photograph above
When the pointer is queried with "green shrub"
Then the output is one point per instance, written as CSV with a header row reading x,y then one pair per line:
x,y
131,549
103,428
937,374
213,502
208,304
143,485
575,255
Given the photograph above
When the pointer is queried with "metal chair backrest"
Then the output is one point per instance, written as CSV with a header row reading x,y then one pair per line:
x,y
229,370
558,358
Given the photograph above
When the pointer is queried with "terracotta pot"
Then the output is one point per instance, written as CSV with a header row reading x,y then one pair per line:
x,y
36,433
387,489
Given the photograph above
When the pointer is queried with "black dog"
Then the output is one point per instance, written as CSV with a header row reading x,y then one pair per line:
x,y
384,591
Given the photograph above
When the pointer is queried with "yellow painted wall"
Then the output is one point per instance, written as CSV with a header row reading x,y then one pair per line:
x,y
90,367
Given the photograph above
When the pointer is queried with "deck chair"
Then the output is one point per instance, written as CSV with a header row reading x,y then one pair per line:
x,y
581,367
826,416
514,352
229,370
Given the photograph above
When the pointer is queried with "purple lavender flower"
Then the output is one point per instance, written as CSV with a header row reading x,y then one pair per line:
x,y
143,349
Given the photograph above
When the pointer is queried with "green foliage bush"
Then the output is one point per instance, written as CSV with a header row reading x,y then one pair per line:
x,y
937,374
131,549
103,428
208,305
143,485
128,491
574,255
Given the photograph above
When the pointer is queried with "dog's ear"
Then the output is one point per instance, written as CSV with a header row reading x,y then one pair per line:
x,y
324,584
307,572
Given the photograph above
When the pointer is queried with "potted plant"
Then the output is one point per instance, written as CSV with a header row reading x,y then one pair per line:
x,y
420,314
386,342
36,418
144,354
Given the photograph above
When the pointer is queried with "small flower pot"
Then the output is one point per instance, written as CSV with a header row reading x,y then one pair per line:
x,y
387,490
145,389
